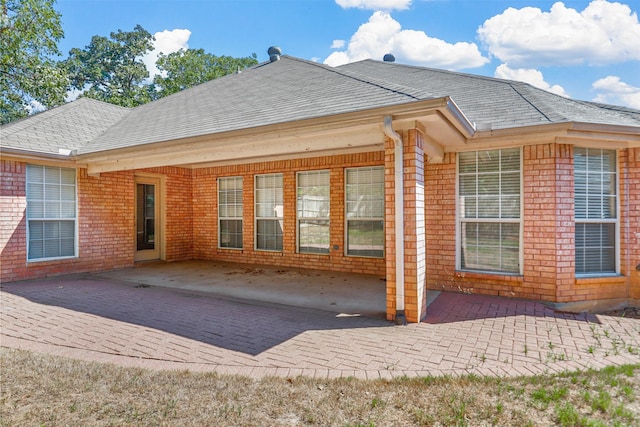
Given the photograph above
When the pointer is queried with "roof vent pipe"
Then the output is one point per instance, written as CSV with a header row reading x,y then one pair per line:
x,y
274,53
389,58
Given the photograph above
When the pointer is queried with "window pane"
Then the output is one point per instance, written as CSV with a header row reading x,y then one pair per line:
x,y
269,234
365,192
231,233
313,194
490,246
269,196
595,248
313,236
365,238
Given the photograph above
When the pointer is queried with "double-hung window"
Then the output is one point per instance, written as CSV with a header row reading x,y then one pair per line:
x,y
365,211
313,212
489,211
595,210
269,212
51,212
230,212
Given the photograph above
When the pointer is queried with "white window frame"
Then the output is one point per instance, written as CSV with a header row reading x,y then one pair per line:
x,y
225,206
302,218
460,219
278,210
616,220
351,218
49,215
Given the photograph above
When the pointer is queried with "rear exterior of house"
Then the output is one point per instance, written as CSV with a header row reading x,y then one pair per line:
x,y
399,183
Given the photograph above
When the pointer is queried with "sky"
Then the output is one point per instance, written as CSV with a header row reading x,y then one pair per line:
x,y
583,49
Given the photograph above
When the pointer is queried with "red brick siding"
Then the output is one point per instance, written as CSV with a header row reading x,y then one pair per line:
x,y
105,225
548,232
630,201
205,207
178,213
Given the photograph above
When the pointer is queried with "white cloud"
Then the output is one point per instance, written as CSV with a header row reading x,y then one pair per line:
x,y
337,44
375,4
166,42
382,34
614,91
528,75
603,33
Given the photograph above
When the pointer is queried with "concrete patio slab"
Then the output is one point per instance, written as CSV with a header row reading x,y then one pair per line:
x,y
108,320
347,293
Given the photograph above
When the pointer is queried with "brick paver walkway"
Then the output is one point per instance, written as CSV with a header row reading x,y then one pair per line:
x,y
109,321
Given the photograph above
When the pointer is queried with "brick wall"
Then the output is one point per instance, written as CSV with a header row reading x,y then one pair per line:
x,y
205,213
548,232
105,225
178,213
631,219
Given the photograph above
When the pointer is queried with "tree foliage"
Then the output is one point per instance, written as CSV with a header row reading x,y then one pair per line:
x,y
191,67
29,35
111,69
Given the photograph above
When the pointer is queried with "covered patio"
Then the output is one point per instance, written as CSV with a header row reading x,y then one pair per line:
x,y
347,294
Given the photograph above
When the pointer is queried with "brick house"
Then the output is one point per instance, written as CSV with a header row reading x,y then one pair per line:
x,y
429,178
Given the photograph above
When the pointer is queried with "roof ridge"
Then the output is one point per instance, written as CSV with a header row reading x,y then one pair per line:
x,y
379,83
437,70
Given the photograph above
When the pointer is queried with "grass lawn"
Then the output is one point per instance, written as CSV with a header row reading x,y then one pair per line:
x,y
38,389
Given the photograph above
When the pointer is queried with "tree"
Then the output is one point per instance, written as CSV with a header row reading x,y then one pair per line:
x,y
186,68
29,35
112,70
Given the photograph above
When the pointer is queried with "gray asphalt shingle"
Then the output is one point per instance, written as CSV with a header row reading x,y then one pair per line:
x,y
500,103
293,89
68,127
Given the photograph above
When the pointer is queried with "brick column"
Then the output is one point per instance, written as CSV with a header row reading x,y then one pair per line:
x,y
414,227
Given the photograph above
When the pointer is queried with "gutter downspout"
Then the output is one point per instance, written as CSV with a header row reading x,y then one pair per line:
x,y
399,216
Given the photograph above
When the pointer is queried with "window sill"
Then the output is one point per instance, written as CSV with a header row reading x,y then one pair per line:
x,y
612,279
45,260
489,275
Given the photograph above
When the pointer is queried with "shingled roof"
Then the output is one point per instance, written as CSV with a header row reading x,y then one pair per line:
x,y
290,90
282,91
62,129
497,103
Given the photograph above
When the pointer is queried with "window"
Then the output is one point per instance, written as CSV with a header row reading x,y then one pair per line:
x,y
365,211
51,212
230,212
595,210
313,212
489,206
269,212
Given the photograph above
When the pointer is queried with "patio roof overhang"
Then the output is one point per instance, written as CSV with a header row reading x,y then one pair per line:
x,y
440,119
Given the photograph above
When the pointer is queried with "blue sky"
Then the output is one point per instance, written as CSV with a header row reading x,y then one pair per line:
x,y
583,49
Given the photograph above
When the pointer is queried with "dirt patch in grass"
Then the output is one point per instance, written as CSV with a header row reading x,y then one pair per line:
x,y
40,389
629,312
